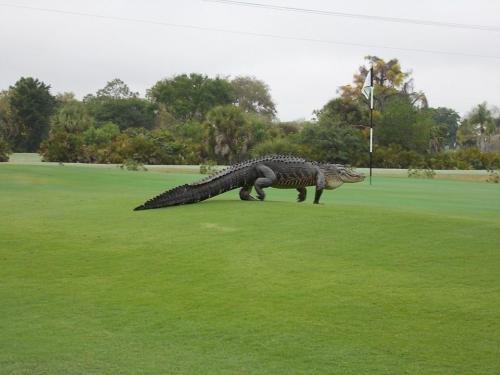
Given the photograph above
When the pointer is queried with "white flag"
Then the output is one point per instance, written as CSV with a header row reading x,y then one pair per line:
x,y
367,89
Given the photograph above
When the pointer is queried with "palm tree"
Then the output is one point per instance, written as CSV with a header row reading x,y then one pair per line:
x,y
482,118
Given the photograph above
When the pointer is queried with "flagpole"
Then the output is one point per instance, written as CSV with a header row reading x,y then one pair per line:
x,y
371,122
371,143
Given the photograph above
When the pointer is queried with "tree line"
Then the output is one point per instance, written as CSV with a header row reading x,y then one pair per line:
x,y
195,119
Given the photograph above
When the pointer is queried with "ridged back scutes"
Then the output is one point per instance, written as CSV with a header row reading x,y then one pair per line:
x,y
249,163
168,197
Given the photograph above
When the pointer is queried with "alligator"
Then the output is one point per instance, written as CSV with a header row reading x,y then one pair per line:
x,y
278,171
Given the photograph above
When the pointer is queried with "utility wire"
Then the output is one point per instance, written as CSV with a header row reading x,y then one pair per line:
x,y
247,33
359,16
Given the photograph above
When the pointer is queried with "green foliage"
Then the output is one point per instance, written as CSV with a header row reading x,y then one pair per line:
x,y
7,129
394,156
191,97
147,147
5,150
421,173
71,115
398,125
193,118
467,135
70,126
478,127
476,159
283,146
493,176
116,89
343,111
133,165
338,134
446,121
325,141
103,135
252,95
106,144
448,160
232,133
209,168
124,112
31,106
63,146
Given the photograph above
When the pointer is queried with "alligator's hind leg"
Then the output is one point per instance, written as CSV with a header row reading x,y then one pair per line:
x,y
267,180
302,194
245,193
320,185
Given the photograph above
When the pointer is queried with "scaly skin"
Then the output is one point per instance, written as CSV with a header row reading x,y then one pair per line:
x,y
279,171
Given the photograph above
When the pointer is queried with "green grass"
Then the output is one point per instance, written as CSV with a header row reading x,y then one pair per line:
x,y
402,277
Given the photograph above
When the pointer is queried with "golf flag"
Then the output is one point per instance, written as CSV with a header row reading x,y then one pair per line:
x,y
367,89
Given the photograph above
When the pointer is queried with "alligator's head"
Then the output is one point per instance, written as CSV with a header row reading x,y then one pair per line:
x,y
337,174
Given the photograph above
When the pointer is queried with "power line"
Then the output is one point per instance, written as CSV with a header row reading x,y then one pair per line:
x,y
246,33
359,16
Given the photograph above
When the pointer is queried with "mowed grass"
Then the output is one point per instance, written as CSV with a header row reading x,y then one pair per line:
x,y
402,277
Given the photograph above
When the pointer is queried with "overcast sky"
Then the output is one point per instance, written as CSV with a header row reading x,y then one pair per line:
x,y
81,53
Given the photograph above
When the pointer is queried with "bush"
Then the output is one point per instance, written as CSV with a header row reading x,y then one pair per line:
x,y
332,142
63,146
394,156
479,160
467,158
421,173
277,146
493,176
5,150
155,147
208,168
132,165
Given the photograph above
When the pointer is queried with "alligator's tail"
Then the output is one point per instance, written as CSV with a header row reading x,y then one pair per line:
x,y
196,192
184,194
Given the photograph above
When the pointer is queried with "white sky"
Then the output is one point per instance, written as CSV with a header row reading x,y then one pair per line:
x,y
80,54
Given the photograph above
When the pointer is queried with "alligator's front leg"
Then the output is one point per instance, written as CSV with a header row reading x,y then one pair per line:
x,y
268,178
320,185
302,194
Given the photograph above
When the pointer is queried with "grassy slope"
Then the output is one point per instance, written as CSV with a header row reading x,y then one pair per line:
x,y
401,277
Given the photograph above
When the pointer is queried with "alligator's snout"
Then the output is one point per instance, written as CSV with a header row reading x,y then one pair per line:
x,y
352,176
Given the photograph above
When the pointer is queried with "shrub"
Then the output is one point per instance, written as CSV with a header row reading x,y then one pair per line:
x,y
477,159
394,156
208,168
493,176
63,146
132,165
421,173
5,150
277,146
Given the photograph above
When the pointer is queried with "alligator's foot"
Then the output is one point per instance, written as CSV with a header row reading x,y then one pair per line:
x,y
302,194
245,194
317,196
